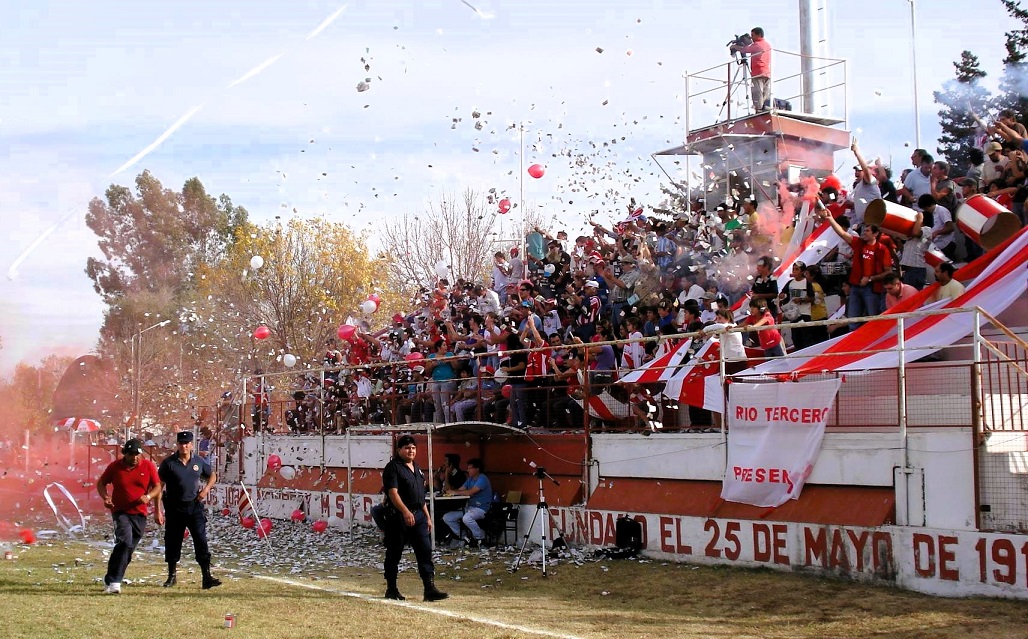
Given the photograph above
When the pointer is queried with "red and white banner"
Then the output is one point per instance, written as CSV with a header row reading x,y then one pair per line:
x,y
605,407
691,385
998,279
660,369
686,386
774,437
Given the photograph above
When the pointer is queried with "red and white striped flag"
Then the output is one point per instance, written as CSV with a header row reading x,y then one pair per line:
x,y
246,508
605,407
686,386
660,369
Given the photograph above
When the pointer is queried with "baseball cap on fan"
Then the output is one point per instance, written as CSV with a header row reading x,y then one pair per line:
x,y
132,447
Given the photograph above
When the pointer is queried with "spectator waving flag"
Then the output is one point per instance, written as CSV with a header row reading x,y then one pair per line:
x,y
810,251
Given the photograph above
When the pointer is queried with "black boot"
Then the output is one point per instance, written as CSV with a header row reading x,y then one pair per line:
x,y
209,581
392,592
172,579
431,592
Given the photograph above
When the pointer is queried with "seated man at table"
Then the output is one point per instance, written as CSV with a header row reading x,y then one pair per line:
x,y
450,476
480,496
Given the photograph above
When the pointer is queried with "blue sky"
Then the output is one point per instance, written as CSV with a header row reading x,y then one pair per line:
x,y
89,85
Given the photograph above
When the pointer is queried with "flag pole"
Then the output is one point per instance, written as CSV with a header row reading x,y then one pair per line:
x,y
256,515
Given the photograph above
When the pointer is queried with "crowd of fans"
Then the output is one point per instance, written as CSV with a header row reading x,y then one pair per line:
x,y
464,350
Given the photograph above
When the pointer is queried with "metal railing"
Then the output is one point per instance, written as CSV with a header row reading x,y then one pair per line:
x,y
985,391
721,93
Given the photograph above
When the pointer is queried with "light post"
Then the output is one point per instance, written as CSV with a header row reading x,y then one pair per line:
x,y
137,362
913,56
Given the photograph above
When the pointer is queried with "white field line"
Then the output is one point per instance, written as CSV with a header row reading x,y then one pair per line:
x,y
421,608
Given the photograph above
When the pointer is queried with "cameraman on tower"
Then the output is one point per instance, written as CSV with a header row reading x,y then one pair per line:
x,y
759,52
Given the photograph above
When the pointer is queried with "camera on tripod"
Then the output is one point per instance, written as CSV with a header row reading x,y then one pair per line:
x,y
539,473
739,42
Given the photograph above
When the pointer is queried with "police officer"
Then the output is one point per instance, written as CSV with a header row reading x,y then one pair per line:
x,y
187,479
410,523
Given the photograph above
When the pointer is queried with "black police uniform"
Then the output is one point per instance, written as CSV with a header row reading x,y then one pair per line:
x,y
183,510
410,487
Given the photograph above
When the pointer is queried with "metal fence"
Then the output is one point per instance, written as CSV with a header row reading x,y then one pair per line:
x,y
1002,440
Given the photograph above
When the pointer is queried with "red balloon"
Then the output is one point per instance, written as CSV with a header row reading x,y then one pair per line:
x,y
274,462
298,515
347,332
375,298
506,390
504,205
414,359
248,522
264,529
536,171
262,332
185,534
320,526
27,536
226,512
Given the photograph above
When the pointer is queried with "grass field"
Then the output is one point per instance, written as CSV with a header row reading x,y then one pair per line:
x,y
52,589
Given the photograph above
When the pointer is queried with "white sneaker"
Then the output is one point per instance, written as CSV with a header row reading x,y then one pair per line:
x,y
113,589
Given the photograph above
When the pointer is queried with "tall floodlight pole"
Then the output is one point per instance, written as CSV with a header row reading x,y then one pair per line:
x,y
137,363
913,57
521,183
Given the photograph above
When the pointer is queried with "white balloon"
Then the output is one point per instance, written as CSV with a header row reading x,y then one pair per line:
x,y
287,472
289,360
441,269
256,262
549,270
368,307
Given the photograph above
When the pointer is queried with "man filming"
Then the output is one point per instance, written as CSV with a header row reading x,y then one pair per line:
x,y
759,52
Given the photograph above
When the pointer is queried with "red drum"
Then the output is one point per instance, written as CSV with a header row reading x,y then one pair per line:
x,y
890,217
987,222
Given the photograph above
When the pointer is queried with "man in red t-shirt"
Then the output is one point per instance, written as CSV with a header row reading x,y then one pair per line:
x,y
134,484
759,51
872,263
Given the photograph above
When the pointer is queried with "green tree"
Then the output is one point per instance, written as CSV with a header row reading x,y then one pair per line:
x,y
1013,82
314,275
152,241
958,97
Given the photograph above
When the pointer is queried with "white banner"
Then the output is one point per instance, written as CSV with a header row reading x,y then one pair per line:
x,y
774,437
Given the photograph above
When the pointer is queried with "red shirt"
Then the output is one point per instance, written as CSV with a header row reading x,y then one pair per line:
x,y
129,484
538,364
760,58
359,352
869,260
